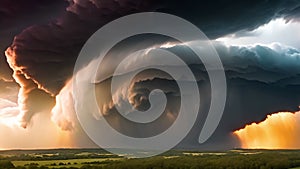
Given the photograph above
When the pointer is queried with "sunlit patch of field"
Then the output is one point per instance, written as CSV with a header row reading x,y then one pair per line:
x,y
168,157
63,163
201,154
250,153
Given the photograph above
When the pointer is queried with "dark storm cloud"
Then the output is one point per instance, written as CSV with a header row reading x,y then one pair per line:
x,y
42,56
45,54
19,13
48,52
261,80
16,15
217,18
267,64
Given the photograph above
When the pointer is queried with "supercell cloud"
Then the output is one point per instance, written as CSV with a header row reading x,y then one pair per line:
x,y
261,78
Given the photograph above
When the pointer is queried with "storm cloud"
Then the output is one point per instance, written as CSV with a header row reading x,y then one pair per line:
x,y
16,15
56,45
259,83
43,54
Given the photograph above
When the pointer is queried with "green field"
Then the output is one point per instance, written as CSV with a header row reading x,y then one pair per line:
x,y
175,159
63,163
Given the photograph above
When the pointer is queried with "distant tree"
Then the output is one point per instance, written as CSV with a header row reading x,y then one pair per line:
x,y
61,163
5,164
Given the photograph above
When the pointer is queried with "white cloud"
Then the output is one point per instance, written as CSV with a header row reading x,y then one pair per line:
x,y
279,30
8,113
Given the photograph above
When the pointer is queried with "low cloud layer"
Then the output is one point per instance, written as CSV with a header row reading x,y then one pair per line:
x,y
269,64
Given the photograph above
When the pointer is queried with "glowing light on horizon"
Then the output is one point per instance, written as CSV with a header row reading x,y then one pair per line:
x,y
43,134
278,131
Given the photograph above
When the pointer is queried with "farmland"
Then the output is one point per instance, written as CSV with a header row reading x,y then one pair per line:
x,y
175,159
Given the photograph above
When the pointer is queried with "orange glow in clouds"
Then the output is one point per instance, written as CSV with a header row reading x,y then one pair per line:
x,y
42,134
38,130
277,131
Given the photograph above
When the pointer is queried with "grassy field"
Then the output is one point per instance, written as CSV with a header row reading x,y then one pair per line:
x,y
175,159
63,163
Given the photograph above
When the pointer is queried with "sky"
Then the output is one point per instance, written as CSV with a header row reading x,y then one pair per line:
x,y
257,41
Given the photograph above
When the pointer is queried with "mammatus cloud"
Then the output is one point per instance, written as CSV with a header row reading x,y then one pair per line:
x,y
277,131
